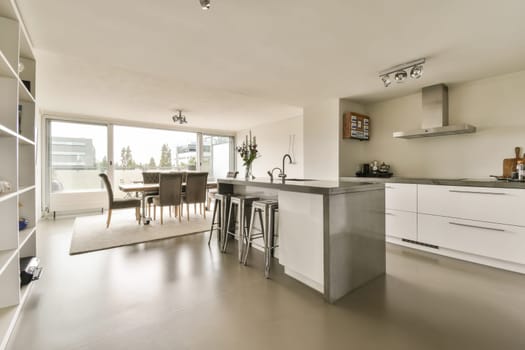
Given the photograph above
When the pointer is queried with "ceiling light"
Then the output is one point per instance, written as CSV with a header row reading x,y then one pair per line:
x,y
416,72
179,118
205,4
400,76
386,80
400,71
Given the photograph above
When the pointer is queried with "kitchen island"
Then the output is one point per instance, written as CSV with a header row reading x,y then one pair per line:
x,y
331,233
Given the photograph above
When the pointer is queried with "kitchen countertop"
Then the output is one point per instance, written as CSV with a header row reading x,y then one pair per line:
x,y
472,182
310,186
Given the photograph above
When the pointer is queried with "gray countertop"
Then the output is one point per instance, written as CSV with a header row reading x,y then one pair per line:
x,y
315,187
355,184
471,182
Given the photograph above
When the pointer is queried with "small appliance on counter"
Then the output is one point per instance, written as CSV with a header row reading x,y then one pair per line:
x,y
30,270
374,169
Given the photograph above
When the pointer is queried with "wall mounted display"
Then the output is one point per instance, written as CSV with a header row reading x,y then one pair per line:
x,y
356,126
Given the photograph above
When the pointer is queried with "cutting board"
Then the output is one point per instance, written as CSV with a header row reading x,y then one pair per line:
x,y
509,164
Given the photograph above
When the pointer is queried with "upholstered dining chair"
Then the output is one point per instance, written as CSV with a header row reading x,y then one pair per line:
x,y
119,203
170,193
150,177
195,192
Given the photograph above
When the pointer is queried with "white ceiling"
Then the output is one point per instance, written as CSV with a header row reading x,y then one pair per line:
x,y
247,62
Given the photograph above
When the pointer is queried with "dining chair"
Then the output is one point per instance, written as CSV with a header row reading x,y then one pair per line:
x,y
170,194
119,203
195,192
150,177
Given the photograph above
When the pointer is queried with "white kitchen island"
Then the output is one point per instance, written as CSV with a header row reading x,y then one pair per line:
x,y
331,234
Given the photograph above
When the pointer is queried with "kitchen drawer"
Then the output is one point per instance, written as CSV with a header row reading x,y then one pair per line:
x,y
496,241
401,224
499,205
401,196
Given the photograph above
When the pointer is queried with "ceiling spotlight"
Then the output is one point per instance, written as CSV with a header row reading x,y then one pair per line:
x,y
386,80
400,76
416,72
400,71
179,118
205,4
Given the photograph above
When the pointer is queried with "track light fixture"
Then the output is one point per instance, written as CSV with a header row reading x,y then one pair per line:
x,y
400,72
179,118
386,80
205,4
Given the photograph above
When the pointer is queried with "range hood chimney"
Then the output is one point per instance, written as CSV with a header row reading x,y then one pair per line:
x,y
435,116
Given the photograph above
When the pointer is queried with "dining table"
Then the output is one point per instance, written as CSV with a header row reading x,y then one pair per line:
x,y
139,187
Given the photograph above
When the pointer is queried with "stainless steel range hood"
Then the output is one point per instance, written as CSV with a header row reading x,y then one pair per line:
x,y
435,116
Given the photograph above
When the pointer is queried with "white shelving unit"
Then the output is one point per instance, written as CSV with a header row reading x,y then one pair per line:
x,y
18,162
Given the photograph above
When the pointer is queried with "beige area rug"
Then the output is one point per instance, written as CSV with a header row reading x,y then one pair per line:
x,y
90,233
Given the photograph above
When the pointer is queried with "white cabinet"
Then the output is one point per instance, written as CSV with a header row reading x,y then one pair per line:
x,y
301,237
401,197
503,242
401,211
401,224
498,205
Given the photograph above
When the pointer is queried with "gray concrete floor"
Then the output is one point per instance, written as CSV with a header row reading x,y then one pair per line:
x,y
181,294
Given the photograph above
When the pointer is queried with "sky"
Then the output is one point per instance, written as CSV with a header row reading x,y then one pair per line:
x,y
144,143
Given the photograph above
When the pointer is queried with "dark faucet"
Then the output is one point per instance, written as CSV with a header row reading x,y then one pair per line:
x,y
283,173
270,172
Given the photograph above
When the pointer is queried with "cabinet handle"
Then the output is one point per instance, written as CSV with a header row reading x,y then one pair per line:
x,y
389,214
479,192
475,226
390,187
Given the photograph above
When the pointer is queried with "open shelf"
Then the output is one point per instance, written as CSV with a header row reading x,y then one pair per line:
x,y
5,68
25,234
25,189
25,95
5,258
6,132
9,315
26,141
8,195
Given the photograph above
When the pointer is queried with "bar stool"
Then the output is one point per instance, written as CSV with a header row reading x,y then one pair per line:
x,y
220,208
263,209
242,205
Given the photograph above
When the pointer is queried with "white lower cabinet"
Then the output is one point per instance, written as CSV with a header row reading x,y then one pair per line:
x,y
401,224
477,224
503,242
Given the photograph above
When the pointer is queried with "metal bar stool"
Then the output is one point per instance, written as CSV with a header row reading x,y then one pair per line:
x,y
241,204
220,208
263,209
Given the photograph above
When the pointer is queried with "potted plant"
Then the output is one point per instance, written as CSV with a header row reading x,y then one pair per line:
x,y
248,152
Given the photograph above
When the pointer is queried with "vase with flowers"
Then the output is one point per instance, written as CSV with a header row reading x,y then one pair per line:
x,y
248,152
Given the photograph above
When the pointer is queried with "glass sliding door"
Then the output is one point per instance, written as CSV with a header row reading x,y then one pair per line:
x,y
77,153
137,149
217,155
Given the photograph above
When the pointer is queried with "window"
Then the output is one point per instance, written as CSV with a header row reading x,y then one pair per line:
x,y
217,158
77,154
138,149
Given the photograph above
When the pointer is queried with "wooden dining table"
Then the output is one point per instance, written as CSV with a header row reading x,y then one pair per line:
x,y
142,188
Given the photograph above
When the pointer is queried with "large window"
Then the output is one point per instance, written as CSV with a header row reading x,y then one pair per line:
x,y
138,149
77,154
217,158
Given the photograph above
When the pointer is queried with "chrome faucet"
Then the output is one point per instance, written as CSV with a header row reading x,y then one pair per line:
x,y
270,172
283,173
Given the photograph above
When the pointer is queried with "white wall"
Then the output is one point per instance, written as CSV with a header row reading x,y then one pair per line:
x,y
496,106
321,140
273,141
